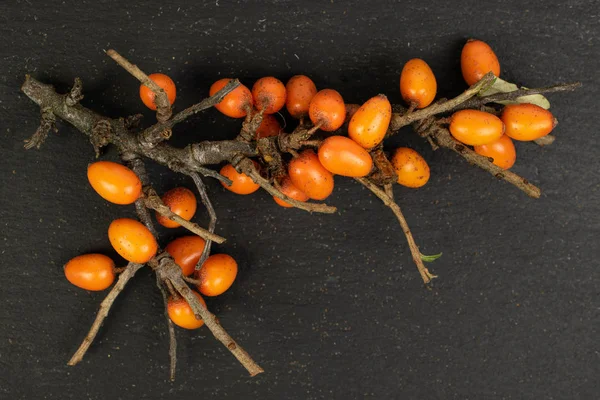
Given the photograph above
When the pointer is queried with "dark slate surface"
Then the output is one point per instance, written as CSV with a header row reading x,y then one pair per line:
x,y
331,306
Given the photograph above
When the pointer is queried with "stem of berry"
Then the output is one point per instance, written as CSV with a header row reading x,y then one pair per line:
x,y
414,249
105,306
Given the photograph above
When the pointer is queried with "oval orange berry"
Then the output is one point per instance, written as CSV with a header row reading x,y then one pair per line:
x,y
370,123
269,94
290,190
411,168
217,274
165,83
268,127
474,127
527,121
90,271
242,183
181,313
308,175
186,251
476,60
236,103
343,156
300,91
132,240
502,151
327,109
114,182
417,83
182,202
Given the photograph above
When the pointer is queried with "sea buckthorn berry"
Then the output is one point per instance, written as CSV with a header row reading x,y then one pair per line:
x,y
242,183
475,127
217,274
132,240
417,83
308,175
370,123
343,156
527,121
327,109
91,271
290,190
182,202
268,127
114,182
502,151
269,94
186,251
162,81
236,103
476,60
300,91
181,313
411,168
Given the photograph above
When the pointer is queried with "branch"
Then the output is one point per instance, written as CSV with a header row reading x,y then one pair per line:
x,y
443,138
48,121
163,106
400,120
105,306
171,328
247,167
154,202
211,212
414,249
169,271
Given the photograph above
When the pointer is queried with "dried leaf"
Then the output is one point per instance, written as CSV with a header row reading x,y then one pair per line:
x,y
502,86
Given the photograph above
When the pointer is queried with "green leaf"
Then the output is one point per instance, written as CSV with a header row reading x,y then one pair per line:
x,y
502,86
430,258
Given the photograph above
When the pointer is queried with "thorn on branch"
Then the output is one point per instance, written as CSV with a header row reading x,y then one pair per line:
x,y
48,121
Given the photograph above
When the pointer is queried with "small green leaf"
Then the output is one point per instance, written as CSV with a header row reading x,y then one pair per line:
x,y
430,258
502,86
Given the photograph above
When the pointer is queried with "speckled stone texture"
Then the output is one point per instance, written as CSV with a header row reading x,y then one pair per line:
x,y
330,305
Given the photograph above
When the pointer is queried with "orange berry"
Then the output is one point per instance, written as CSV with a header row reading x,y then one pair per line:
x,y
327,109
236,102
502,151
290,190
300,91
417,83
475,127
181,313
269,93
114,182
370,123
217,274
343,156
132,240
268,127
242,183
90,271
476,60
308,175
165,83
186,252
411,168
182,202
527,121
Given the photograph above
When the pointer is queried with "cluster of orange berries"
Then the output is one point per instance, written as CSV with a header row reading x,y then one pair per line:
x,y
135,243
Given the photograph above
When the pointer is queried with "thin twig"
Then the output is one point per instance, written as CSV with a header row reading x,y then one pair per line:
x,y
400,120
211,212
48,121
153,201
170,272
414,249
163,106
137,165
248,168
171,328
105,306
